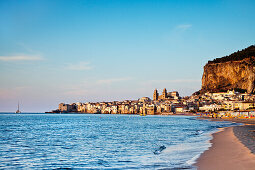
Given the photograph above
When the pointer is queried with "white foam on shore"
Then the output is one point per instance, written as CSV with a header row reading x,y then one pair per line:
x,y
193,160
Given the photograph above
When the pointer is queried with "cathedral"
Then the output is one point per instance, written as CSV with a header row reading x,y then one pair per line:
x,y
165,95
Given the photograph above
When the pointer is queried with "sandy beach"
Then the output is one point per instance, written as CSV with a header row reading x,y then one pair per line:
x,y
231,149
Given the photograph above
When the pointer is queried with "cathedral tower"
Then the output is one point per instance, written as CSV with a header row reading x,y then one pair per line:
x,y
155,94
164,94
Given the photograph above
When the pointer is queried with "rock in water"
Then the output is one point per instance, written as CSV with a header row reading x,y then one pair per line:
x,y
159,150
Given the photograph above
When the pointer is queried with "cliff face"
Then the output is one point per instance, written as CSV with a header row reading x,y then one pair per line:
x,y
223,76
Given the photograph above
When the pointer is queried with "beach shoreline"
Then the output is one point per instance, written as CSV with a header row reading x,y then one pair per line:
x,y
232,147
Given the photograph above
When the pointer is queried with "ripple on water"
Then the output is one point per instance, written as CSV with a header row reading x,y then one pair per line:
x,y
48,141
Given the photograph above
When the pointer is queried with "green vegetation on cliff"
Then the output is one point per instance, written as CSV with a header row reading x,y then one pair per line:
x,y
236,56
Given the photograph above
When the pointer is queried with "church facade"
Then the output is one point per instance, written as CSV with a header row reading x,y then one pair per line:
x,y
165,95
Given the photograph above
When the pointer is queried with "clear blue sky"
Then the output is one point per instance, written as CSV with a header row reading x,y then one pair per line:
x,y
80,51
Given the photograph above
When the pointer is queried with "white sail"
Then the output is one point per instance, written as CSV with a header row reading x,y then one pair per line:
x,y
18,111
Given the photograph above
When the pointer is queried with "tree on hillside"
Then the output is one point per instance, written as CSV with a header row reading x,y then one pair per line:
x,y
236,56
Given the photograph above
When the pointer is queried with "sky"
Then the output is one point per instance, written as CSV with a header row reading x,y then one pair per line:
x,y
54,51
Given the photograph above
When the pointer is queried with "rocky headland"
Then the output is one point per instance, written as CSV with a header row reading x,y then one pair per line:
x,y
236,71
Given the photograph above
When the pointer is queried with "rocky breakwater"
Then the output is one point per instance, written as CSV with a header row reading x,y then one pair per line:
x,y
236,71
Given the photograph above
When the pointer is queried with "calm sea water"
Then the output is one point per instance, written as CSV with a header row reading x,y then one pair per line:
x,y
75,141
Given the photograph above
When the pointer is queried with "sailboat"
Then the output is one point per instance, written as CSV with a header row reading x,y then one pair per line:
x,y
18,111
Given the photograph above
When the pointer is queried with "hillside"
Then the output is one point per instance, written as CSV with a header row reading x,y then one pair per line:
x,y
236,56
236,71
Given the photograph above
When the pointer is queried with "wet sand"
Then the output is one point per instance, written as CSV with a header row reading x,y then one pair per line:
x,y
228,152
236,120
246,134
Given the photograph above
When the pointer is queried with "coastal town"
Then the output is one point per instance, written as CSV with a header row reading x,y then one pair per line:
x,y
127,84
227,94
220,104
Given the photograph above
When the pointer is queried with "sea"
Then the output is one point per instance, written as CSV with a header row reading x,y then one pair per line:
x,y
99,141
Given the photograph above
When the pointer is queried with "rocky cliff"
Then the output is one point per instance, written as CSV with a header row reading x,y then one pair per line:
x,y
236,71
